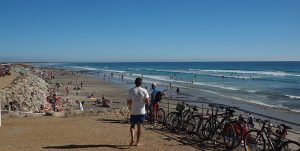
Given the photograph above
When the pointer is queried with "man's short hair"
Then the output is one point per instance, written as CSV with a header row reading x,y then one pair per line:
x,y
138,81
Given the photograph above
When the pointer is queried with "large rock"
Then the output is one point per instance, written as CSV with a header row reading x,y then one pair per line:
x,y
21,92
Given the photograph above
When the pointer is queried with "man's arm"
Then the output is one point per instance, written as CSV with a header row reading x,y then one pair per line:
x,y
147,101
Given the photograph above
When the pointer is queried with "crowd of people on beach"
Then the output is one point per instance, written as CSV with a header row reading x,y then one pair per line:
x,y
4,71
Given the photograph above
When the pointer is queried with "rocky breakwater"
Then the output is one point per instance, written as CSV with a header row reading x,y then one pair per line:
x,y
27,93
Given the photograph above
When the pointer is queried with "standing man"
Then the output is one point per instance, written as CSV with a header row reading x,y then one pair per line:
x,y
152,101
138,97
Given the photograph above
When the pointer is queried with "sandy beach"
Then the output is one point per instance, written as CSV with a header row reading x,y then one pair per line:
x,y
105,129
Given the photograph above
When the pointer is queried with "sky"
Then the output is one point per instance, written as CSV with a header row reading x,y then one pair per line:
x,y
149,30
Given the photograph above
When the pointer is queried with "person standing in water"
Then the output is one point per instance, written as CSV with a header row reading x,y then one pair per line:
x,y
138,97
177,91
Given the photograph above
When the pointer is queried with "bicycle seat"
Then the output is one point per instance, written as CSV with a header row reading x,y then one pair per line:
x,y
285,126
262,121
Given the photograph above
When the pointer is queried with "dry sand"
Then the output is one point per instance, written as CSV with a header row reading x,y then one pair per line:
x,y
80,133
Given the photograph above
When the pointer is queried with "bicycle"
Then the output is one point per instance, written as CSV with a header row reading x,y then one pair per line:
x,y
160,114
225,126
257,139
177,120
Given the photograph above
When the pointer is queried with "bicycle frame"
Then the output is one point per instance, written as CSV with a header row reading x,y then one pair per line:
x,y
224,119
267,132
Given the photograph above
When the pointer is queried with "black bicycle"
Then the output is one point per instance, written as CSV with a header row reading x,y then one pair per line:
x,y
257,140
222,126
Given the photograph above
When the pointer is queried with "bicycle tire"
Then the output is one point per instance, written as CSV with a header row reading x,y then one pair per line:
x,y
175,121
252,139
290,146
193,122
185,115
200,128
168,119
209,128
160,116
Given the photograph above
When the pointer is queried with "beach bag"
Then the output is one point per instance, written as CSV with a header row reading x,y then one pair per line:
x,y
157,97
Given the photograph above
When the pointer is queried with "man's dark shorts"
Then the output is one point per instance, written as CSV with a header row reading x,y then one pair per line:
x,y
136,119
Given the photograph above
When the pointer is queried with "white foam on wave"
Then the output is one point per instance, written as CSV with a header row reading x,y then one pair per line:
x,y
231,76
156,77
85,68
293,97
251,91
109,70
209,74
268,73
216,86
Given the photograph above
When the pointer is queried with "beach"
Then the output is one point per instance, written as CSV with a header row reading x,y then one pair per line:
x,y
100,129
96,128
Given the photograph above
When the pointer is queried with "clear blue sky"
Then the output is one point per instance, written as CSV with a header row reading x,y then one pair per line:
x,y
149,30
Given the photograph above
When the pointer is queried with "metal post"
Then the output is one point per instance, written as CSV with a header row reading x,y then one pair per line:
x,y
202,109
170,90
269,133
168,106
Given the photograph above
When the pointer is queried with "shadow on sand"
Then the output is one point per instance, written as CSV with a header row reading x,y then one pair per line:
x,y
187,140
72,146
112,121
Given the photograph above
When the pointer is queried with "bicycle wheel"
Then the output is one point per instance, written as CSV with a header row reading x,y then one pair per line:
x,y
254,141
186,114
229,136
149,115
175,121
168,119
193,123
209,128
160,116
290,146
200,128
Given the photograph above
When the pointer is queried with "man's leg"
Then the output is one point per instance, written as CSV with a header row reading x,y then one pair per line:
x,y
132,134
139,131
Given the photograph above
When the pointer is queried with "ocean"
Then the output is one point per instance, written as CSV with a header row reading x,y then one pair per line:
x,y
272,84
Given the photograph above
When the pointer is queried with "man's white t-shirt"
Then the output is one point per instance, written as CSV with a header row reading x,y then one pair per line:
x,y
138,95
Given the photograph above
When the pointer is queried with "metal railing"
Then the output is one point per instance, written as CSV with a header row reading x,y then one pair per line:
x,y
169,103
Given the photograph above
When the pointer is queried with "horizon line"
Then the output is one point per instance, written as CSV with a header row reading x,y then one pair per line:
x,y
146,61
